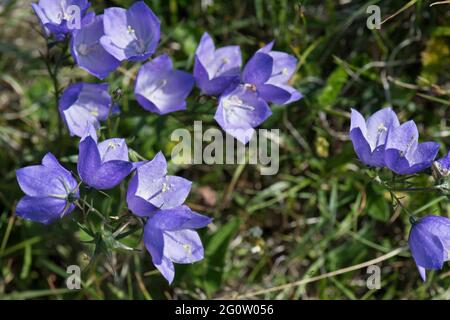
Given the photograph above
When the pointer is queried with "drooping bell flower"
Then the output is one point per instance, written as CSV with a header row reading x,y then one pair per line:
x,y
442,166
87,51
429,241
103,165
84,104
404,154
369,137
216,69
59,17
151,188
261,74
161,89
170,237
241,110
131,34
50,190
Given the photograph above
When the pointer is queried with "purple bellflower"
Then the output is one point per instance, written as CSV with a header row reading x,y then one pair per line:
x,y
369,137
443,166
404,155
84,104
59,17
161,89
87,50
264,75
103,165
169,237
50,191
151,188
131,34
216,70
429,241
240,111
284,66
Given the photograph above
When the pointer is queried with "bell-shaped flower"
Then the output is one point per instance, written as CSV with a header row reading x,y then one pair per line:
x,y
265,76
87,51
284,66
241,110
216,69
442,166
103,165
50,191
404,154
151,188
161,89
85,104
59,17
429,241
170,237
131,34
369,137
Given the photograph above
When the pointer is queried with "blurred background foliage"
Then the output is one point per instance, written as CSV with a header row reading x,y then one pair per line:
x,y
321,212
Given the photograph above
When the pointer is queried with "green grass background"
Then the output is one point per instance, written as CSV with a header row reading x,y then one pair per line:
x,y
320,214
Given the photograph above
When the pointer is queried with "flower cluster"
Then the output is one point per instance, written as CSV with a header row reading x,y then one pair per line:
x,y
52,192
382,142
244,98
99,44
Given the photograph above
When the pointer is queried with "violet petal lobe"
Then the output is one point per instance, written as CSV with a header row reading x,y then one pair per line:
x,y
161,89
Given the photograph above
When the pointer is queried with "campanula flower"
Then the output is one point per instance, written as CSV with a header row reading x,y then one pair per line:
x,y
161,89
404,155
84,104
265,76
429,241
59,17
369,137
240,111
284,66
87,50
442,166
50,191
216,70
170,238
151,188
131,34
103,165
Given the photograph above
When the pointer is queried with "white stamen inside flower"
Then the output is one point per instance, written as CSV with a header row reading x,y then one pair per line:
x,y
83,49
235,101
94,112
187,248
112,145
250,86
130,30
382,127
285,71
153,89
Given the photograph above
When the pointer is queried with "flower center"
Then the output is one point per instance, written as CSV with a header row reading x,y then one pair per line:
x,y
94,112
187,248
153,89
83,49
130,30
251,87
235,101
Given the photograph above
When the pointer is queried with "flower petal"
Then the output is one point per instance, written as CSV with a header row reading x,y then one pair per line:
x,y
43,209
179,218
258,70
